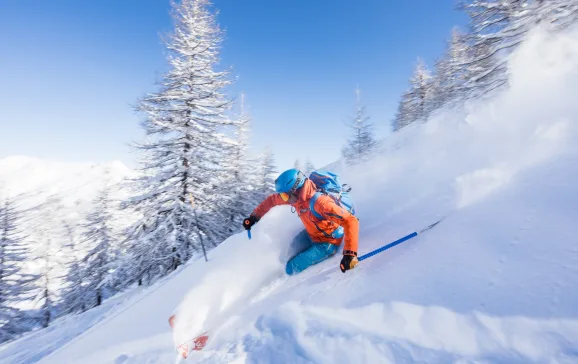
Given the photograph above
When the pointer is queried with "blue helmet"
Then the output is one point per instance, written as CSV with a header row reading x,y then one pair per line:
x,y
289,181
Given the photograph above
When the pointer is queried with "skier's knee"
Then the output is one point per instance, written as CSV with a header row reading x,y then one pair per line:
x,y
291,269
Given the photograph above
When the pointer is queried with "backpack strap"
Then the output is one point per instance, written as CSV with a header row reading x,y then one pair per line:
x,y
312,202
337,233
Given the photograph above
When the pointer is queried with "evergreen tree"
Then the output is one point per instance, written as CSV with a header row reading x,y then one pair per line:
x,y
414,104
450,76
75,296
361,143
403,116
242,183
560,13
184,158
100,236
15,285
497,28
46,219
266,176
297,164
47,296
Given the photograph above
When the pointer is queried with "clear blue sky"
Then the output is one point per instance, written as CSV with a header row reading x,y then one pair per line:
x,y
71,71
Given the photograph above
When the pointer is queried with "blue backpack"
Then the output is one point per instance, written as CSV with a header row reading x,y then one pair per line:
x,y
328,184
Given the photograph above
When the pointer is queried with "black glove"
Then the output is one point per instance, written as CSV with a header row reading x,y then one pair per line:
x,y
250,221
349,261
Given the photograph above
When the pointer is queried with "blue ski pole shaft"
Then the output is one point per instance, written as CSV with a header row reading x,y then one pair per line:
x,y
388,246
397,242
249,234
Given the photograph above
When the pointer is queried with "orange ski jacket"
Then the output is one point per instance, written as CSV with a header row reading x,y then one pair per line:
x,y
334,216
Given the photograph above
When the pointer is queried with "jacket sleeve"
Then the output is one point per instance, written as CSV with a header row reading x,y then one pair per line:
x,y
335,213
267,204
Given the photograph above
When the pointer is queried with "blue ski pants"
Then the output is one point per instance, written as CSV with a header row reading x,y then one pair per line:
x,y
311,253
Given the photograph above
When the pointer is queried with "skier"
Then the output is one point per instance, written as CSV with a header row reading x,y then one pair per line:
x,y
322,236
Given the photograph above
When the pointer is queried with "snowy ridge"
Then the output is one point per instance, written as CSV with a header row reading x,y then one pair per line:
x,y
495,282
74,185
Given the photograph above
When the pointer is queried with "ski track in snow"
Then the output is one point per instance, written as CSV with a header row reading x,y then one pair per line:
x,y
494,282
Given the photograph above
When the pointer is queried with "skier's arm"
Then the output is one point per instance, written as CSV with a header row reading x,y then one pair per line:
x,y
267,204
335,213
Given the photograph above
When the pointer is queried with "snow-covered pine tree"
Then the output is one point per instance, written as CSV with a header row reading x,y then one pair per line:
x,y
267,172
403,116
560,13
450,75
100,236
242,184
47,296
138,264
47,230
361,143
414,104
15,285
75,295
184,158
498,27
486,67
297,164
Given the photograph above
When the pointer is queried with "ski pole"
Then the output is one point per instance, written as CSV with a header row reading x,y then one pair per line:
x,y
397,242
247,222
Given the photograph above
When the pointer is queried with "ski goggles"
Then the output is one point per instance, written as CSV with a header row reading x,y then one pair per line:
x,y
285,196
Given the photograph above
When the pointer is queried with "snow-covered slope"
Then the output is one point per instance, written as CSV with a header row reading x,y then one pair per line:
x,y
494,282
